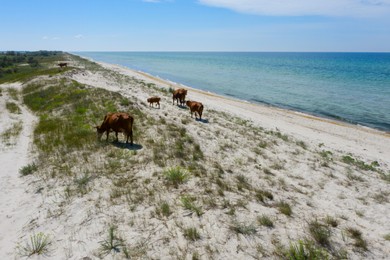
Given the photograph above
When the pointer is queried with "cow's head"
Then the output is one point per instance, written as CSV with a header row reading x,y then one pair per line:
x,y
99,132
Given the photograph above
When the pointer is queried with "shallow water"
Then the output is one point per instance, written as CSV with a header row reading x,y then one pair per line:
x,y
353,87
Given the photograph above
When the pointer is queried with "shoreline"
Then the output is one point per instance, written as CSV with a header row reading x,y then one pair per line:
x,y
365,142
381,126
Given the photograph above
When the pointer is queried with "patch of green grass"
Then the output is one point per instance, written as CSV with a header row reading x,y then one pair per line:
x,y
357,236
39,244
112,244
13,108
191,234
241,228
164,209
373,166
175,176
266,221
188,202
387,237
10,134
320,233
284,208
302,144
261,195
28,169
305,249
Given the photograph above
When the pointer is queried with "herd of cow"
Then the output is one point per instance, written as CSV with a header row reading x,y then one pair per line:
x,y
123,122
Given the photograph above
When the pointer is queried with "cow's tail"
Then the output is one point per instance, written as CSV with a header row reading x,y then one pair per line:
x,y
130,126
200,111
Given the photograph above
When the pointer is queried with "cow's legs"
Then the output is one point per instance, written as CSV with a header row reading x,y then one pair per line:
x,y
116,137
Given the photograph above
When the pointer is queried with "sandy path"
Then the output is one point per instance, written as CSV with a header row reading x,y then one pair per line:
x,y
16,205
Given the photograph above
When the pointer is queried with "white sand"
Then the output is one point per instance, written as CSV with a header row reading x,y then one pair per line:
x,y
18,202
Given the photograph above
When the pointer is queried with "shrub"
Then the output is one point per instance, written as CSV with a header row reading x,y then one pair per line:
x,y
29,169
175,176
320,233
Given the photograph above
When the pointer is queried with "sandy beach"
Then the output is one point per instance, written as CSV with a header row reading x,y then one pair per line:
x,y
254,159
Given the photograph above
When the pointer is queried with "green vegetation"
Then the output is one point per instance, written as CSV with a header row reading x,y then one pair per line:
x,y
320,233
29,169
12,107
175,176
112,244
240,228
11,133
191,234
39,244
303,250
357,236
188,202
360,164
284,208
265,221
21,66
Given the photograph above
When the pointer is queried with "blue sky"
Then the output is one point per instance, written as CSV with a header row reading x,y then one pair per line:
x,y
195,25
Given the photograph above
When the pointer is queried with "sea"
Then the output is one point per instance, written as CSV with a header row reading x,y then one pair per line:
x,y
351,87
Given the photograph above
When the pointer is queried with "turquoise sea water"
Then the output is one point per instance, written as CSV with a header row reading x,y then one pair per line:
x,y
353,87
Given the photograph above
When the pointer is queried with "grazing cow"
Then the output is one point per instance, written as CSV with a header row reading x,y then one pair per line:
x,y
152,100
117,122
195,107
179,95
63,64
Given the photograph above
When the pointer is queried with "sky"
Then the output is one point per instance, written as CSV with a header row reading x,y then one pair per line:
x,y
195,25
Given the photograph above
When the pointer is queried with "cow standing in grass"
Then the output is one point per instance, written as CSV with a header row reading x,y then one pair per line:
x,y
195,107
63,64
117,122
179,95
153,100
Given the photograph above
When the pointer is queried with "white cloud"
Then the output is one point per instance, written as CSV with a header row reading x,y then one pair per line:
x,y
305,7
79,36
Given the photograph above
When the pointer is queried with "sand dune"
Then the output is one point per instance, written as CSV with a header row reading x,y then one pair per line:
x,y
260,179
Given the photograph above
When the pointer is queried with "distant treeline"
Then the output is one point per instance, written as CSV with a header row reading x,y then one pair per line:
x,y
12,61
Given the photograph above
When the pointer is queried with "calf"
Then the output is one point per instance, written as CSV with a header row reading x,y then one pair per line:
x,y
195,107
152,100
117,122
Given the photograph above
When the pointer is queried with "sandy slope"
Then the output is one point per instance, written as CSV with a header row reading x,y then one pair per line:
x,y
17,201
80,223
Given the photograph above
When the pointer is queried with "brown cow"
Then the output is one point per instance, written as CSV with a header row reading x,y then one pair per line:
x,y
154,99
195,107
179,94
118,122
63,64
